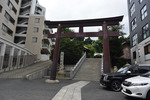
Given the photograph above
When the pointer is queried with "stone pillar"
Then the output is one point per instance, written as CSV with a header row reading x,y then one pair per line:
x,y
18,58
11,58
61,72
106,50
2,53
24,59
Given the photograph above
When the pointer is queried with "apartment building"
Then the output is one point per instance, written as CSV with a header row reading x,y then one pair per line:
x,y
23,35
139,19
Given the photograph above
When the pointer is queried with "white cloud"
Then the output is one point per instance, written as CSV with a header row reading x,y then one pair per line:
x,y
57,10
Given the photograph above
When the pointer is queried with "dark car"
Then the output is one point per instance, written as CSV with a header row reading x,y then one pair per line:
x,y
114,80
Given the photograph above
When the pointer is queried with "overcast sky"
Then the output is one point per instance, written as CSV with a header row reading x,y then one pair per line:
x,y
58,10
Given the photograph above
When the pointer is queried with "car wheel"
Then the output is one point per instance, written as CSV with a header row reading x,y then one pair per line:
x,y
116,85
148,96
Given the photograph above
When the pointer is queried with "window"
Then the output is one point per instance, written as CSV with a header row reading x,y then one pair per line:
x,y
145,31
132,9
143,12
9,18
147,52
7,30
34,39
11,7
133,24
134,55
36,29
37,20
1,8
140,1
134,70
134,40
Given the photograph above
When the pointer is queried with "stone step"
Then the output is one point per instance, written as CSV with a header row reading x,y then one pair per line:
x,y
90,70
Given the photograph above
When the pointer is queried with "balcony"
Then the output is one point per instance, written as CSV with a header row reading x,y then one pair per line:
x,y
28,4
26,12
23,21
45,49
47,31
20,35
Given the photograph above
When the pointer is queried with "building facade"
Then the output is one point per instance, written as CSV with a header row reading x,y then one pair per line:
x,y
23,34
139,20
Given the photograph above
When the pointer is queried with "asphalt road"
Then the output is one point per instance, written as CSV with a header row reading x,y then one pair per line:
x,y
21,89
93,91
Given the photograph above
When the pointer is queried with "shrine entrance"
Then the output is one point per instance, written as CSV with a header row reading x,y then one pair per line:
x,y
105,33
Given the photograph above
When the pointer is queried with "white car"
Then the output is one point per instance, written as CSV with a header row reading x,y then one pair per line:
x,y
138,86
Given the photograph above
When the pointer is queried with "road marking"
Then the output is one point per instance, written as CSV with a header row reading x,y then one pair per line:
x,y
71,92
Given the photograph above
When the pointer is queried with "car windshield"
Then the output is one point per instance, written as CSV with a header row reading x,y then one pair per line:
x,y
123,69
146,75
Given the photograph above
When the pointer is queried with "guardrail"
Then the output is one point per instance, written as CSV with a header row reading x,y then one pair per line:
x,y
77,66
38,74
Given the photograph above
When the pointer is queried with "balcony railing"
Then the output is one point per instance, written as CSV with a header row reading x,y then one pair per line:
x,y
45,45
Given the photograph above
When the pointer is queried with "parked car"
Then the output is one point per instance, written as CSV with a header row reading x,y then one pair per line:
x,y
138,86
114,80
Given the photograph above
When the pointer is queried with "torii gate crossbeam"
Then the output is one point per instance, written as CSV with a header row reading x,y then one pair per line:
x,y
104,22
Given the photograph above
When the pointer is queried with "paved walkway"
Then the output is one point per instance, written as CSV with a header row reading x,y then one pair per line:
x,y
22,72
71,92
90,70
21,89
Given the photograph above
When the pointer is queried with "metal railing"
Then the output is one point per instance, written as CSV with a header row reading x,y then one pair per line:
x,y
77,66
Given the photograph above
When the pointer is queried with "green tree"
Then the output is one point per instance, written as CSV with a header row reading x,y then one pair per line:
x,y
116,49
90,54
72,48
98,45
88,41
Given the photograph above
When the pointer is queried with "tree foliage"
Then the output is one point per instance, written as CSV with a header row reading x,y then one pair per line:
x,y
72,48
88,41
98,45
116,49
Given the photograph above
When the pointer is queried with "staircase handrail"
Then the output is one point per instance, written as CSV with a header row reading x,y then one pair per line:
x,y
25,12
25,4
77,66
22,21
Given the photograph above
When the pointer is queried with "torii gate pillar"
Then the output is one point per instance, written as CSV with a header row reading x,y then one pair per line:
x,y
106,50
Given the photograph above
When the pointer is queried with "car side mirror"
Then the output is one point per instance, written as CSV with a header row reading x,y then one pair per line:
x,y
128,72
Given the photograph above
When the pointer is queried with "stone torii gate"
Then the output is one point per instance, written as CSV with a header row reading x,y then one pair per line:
x,y
104,22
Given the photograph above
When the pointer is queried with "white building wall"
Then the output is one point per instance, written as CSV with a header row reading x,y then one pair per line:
x,y
140,53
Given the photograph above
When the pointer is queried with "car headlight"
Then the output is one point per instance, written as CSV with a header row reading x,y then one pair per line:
x,y
138,84
105,77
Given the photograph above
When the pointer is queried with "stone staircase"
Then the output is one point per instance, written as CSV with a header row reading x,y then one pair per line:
x,y
90,70
28,71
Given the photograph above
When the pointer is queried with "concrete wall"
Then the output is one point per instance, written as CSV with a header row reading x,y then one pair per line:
x,y
140,54
35,47
4,4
